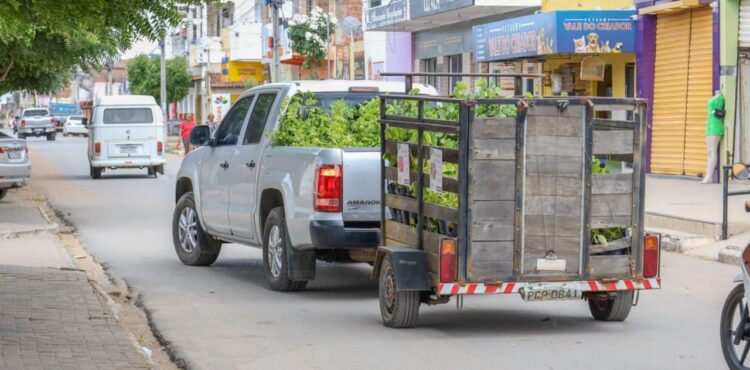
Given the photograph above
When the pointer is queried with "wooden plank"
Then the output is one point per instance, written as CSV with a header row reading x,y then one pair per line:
x,y
493,128
613,142
601,222
566,146
552,205
553,126
609,267
430,210
449,184
553,111
611,124
492,231
603,205
449,155
612,183
537,247
496,149
492,180
613,107
490,261
401,233
553,185
488,211
552,225
610,246
554,166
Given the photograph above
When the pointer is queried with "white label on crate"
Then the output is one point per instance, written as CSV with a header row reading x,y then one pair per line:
x,y
436,170
404,172
544,264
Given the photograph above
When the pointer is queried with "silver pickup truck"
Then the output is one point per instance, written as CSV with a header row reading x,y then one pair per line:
x,y
299,204
37,122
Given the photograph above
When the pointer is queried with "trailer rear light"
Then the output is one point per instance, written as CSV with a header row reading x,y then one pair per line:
x,y
159,147
447,260
23,123
98,149
650,256
328,189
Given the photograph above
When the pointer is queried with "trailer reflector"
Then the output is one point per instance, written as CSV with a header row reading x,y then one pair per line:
x,y
650,256
447,260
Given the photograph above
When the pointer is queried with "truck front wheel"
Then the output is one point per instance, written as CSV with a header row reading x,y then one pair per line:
x,y
194,246
399,309
276,253
616,308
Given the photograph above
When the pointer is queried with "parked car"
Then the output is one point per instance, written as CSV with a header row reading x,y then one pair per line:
x,y
74,126
126,131
15,167
37,122
298,204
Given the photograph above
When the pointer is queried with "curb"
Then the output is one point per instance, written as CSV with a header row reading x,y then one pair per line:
x,y
49,229
674,241
730,255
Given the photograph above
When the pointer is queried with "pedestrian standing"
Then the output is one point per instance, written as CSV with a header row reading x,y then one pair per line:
x,y
213,126
185,128
714,132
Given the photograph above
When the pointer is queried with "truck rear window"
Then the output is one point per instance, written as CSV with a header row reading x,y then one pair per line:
x,y
119,116
35,113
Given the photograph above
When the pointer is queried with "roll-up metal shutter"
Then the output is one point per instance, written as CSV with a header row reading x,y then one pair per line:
x,y
670,93
745,24
699,91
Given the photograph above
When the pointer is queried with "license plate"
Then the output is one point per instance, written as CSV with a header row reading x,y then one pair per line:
x,y
14,154
556,292
39,131
129,149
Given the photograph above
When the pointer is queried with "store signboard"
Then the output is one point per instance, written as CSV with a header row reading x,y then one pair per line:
x,y
220,104
423,8
560,32
387,14
442,42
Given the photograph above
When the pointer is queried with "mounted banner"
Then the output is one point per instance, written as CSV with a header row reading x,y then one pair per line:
x,y
558,32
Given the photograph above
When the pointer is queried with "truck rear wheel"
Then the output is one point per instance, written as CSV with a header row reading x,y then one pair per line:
x,y
95,172
276,246
193,245
3,193
399,309
612,309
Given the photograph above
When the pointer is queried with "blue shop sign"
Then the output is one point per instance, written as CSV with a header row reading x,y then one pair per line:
x,y
559,32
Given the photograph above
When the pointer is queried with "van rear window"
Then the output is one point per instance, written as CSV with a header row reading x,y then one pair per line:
x,y
117,116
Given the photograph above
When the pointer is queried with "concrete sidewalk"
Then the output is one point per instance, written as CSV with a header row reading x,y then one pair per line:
x,y
52,315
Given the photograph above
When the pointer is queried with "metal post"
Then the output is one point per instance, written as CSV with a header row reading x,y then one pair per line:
x,y
725,203
275,4
163,87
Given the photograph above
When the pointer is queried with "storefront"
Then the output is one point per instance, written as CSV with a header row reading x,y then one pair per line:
x,y
580,53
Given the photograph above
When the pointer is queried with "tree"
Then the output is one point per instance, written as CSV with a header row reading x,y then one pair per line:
x,y
43,41
144,74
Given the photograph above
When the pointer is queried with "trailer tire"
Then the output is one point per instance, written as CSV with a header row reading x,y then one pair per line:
x,y
612,309
399,309
276,247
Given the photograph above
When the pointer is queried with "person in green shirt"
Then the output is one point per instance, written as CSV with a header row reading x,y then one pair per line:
x,y
714,132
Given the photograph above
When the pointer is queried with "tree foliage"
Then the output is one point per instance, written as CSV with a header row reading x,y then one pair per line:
x,y
43,41
144,74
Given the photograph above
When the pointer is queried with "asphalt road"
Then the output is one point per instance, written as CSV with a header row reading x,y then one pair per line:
x,y
224,317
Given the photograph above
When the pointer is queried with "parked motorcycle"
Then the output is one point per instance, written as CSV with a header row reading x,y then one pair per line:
x,y
735,317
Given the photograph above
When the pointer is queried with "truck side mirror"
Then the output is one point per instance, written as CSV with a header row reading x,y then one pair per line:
x,y
85,122
200,135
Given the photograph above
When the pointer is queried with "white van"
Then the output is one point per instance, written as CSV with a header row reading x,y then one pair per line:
x,y
127,131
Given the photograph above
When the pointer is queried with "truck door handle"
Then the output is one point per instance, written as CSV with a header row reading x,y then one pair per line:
x,y
224,165
250,164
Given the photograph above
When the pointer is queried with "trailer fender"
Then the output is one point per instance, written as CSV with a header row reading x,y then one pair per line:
x,y
409,266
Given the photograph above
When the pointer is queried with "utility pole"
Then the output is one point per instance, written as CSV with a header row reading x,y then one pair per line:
x,y
275,5
163,86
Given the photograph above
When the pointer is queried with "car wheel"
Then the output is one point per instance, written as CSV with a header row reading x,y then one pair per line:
x,y
96,172
3,193
194,246
65,134
616,308
276,246
152,172
399,309
22,136
51,137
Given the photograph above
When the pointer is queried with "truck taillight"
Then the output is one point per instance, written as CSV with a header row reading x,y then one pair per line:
x,y
328,189
52,119
650,256
98,148
447,260
23,123
159,147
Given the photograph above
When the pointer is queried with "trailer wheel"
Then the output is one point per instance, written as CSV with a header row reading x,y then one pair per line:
x,y
399,309
612,309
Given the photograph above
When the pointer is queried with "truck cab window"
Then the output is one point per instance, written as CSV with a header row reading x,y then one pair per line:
x,y
258,118
229,130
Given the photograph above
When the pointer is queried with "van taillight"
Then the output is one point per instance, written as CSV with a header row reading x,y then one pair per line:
x,y
159,147
328,189
447,260
23,123
650,256
98,148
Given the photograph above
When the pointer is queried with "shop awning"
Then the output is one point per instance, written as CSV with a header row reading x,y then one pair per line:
x,y
666,8
559,32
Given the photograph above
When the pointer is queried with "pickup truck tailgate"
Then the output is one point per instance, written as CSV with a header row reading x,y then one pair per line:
x,y
361,173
